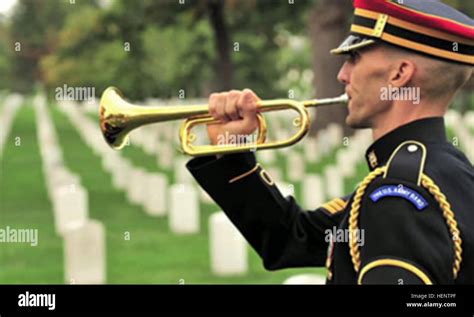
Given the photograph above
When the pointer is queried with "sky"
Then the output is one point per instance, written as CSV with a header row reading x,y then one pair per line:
x,y
6,5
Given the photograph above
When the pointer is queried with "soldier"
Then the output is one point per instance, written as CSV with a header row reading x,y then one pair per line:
x,y
415,207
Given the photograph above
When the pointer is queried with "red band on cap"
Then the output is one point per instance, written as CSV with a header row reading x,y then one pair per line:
x,y
420,18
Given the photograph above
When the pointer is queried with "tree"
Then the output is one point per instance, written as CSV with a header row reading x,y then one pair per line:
x,y
225,67
33,34
329,26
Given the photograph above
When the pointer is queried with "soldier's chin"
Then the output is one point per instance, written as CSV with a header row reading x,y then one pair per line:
x,y
356,123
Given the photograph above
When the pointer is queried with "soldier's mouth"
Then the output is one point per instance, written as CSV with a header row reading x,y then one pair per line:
x,y
348,94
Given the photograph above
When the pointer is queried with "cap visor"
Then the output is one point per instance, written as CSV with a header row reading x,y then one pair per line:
x,y
352,43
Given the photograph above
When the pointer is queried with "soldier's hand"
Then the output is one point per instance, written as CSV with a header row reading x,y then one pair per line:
x,y
237,111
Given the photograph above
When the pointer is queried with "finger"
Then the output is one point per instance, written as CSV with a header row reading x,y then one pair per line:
x,y
248,107
220,107
231,109
213,105
249,124
251,94
248,103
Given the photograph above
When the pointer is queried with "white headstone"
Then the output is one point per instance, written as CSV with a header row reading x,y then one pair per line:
x,y
275,173
295,166
302,279
59,176
452,118
184,209
228,249
52,155
313,191
335,134
204,197
70,206
84,254
149,142
137,137
334,182
286,189
169,133
137,185
346,162
7,115
181,173
469,119
323,143
165,155
267,157
310,146
155,200
121,175
111,161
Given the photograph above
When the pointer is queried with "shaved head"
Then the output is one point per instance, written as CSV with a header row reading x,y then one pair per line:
x,y
437,79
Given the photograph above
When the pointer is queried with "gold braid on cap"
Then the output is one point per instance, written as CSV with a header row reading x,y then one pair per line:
x,y
427,183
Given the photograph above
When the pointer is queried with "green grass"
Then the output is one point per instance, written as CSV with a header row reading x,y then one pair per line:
x,y
24,204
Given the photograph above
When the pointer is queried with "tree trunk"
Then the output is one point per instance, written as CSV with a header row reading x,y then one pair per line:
x,y
224,66
329,25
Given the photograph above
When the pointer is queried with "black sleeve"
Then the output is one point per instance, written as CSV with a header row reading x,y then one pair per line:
x,y
407,240
276,227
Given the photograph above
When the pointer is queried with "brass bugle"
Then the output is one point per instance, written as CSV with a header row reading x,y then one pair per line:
x,y
118,118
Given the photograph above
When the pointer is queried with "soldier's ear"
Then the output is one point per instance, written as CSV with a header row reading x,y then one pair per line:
x,y
402,73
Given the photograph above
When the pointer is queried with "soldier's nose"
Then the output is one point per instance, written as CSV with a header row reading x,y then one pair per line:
x,y
343,75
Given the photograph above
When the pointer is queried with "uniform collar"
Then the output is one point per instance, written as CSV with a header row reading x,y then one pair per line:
x,y
424,130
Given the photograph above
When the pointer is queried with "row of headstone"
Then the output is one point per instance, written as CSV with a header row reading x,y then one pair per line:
x,y
345,165
228,249
296,166
313,193
315,189
68,198
140,187
310,149
83,238
180,202
11,105
329,138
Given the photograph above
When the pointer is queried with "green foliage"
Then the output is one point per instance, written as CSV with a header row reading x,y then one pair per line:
x,y
154,48
33,32
178,57
171,46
